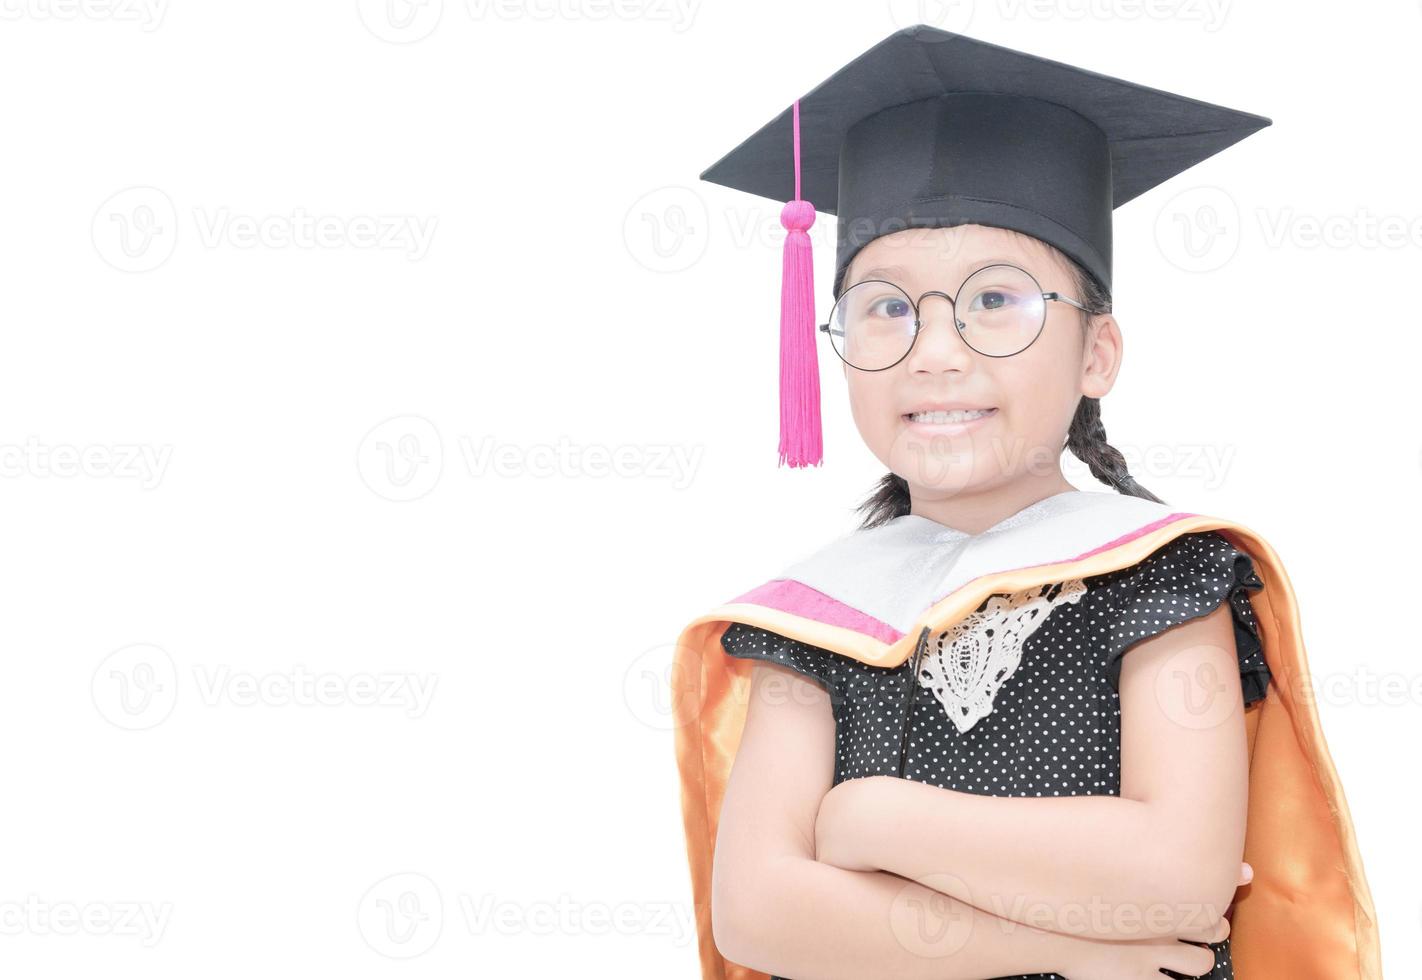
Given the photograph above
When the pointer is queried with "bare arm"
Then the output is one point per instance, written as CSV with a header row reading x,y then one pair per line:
x,y
1161,859
777,909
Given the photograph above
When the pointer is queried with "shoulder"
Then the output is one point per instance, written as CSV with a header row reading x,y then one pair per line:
x,y
1200,564
1187,578
830,670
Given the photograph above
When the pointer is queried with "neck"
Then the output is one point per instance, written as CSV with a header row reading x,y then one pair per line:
x,y
974,511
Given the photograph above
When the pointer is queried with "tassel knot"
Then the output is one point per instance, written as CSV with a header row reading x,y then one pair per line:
x,y
797,215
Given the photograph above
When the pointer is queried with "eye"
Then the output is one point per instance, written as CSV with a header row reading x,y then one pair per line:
x,y
994,299
892,307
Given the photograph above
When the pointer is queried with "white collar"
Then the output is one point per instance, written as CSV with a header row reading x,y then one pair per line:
x,y
895,571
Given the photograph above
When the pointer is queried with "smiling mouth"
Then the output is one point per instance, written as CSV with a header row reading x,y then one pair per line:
x,y
957,416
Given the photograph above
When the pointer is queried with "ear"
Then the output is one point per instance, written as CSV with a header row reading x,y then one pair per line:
x,y
1101,358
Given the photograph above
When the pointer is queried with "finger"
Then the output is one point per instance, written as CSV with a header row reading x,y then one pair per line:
x,y
1213,932
1193,961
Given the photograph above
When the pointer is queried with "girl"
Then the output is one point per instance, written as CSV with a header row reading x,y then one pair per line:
x,y
1006,728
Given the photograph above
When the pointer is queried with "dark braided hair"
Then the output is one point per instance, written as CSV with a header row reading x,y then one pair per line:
x,y
1086,438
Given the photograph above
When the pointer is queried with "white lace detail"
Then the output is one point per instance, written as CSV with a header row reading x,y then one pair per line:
x,y
964,666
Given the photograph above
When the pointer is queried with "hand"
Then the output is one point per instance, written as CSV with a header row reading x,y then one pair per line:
x,y
1144,959
1215,931
1218,930
839,838
1246,875
1138,959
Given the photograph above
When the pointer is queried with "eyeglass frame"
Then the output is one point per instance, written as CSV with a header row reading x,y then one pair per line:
x,y
1052,295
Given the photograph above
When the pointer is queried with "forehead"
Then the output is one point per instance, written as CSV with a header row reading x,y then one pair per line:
x,y
918,253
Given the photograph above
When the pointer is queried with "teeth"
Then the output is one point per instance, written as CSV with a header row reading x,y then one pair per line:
x,y
959,415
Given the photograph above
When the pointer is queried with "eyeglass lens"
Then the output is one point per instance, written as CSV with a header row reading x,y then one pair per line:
x,y
999,312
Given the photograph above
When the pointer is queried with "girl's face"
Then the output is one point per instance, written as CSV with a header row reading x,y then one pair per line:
x,y
1031,395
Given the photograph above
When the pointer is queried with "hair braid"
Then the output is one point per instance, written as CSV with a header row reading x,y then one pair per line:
x,y
1087,441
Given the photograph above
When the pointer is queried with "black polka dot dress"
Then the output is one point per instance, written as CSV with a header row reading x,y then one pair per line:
x,y
1052,726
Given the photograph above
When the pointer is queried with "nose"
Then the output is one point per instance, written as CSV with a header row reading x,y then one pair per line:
x,y
938,346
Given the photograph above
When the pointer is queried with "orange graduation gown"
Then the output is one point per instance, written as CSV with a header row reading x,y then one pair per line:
x,y
1308,913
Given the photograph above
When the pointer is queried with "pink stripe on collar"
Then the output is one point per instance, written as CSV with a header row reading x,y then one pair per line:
x,y
1138,532
788,595
798,599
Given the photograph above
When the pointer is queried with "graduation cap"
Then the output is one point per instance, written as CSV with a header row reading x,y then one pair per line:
x,y
929,129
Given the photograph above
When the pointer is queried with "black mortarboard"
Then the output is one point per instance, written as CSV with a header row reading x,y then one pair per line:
x,y
929,128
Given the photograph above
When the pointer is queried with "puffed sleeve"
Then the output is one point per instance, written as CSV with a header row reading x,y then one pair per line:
x,y
1186,579
819,665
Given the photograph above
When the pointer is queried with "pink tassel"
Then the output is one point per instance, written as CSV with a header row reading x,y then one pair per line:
x,y
801,441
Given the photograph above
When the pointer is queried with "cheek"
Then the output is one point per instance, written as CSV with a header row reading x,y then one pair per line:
x,y
1026,392
1042,386
871,403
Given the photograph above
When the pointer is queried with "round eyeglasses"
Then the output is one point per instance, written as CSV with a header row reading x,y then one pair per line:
x,y
998,311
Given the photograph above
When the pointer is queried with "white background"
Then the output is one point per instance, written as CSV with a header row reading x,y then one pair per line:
x,y
503,451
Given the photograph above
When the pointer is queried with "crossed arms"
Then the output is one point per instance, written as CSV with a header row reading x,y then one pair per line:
x,y
884,876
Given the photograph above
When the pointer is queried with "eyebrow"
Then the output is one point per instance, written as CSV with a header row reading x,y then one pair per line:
x,y
881,271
